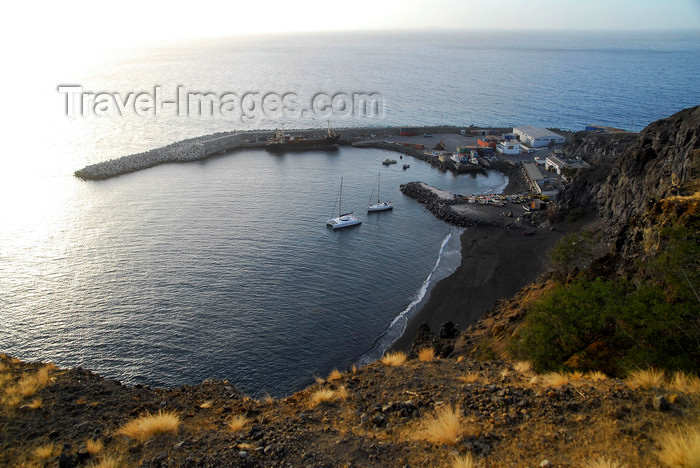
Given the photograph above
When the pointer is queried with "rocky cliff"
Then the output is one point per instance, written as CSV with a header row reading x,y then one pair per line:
x,y
630,171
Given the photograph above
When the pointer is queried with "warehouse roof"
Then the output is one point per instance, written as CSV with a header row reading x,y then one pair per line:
x,y
536,132
533,172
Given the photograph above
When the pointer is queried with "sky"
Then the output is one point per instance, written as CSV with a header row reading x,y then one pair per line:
x,y
130,23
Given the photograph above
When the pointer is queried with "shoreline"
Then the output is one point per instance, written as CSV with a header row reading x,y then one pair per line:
x,y
484,276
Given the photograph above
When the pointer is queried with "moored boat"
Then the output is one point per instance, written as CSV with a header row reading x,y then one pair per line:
x,y
282,142
343,220
380,205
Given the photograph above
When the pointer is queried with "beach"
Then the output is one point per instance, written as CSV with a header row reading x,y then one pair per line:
x,y
496,263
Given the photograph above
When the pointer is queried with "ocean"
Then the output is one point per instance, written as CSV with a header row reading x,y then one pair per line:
x,y
224,268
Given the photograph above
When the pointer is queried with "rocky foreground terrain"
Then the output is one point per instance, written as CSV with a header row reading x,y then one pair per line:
x,y
379,415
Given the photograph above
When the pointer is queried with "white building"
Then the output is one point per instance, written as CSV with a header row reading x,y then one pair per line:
x,y
536,137
508,147
557,163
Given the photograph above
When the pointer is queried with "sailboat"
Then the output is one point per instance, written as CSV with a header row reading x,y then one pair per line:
x,y
380,205
344,219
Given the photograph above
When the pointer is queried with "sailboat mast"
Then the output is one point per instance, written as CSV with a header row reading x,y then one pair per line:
x,y
378,181
340,198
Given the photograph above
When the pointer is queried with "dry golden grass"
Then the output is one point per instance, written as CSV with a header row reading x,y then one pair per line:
x,y
354,369
426,354
44,451
504,373
35,404
603,462
334,375
206,404
596,376
394,359
93,447
322,395
341,393
685,383
680,448
524,367
326,395
268,398
465,461
318,379
555,379
237,423
460,358
443,427
646,378
11,400
4,367
471,377
576,376
107,462
149,425
27,386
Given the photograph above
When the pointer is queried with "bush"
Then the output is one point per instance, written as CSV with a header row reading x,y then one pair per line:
x,y
575,214
573,250
608,325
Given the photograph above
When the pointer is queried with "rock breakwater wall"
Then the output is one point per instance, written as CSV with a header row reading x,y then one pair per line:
x,y
474,216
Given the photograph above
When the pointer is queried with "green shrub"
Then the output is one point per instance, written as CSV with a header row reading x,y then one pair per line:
x,y
572,251
575,214
608,325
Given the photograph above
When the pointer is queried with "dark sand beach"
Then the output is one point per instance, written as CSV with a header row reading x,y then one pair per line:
x,y
496,263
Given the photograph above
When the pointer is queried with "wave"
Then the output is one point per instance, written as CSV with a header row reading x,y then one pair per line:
x,y
501,188
397,326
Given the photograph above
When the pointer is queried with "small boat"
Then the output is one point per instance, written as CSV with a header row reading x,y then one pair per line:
x,y
386,162
343,220
380,205
406,166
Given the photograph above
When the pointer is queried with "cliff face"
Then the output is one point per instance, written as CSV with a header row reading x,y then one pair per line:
x,y
653,167
630,171
601,151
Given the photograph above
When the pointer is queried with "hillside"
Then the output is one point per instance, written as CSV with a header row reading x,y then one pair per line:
x,y
375,416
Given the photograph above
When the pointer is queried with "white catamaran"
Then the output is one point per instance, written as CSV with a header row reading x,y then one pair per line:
x,y
343,220
380,205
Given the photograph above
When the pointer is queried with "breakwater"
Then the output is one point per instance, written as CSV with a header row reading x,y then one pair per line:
x,y
192,149
454,210
202,147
